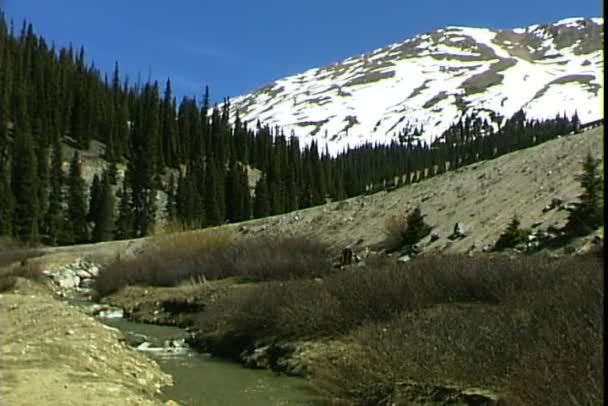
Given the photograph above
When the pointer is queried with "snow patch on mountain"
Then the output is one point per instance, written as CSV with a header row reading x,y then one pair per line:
x,y
434,79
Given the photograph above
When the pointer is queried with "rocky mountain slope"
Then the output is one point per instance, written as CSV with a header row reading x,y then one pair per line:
x,y
435,78
537,184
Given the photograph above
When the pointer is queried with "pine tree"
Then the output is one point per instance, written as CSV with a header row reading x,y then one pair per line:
x,y
145,162
7,206
171,206
55,226
512,236
416,228
25,187
123,228
43,184
94,198
211,198
589,212
104,216
261,204
76,202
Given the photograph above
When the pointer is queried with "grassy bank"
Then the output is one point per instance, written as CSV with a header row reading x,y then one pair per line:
x,y
211,255
528,329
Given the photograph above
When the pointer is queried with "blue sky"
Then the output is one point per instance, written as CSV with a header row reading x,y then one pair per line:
x,y
240,45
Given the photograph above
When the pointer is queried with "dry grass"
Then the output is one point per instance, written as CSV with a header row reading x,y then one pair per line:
x,y
9,275
214,254
12,251
540,343
491,321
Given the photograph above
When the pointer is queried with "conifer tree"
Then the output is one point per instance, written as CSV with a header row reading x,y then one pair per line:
x,y
55,216
123,228
261,204
589,212
25,187
42,161
416,228
211,198
94,198
512,236
7,205
104,216
171,205
76,202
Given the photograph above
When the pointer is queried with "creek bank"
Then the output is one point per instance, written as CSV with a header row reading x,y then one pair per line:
x,y
74,358
179,306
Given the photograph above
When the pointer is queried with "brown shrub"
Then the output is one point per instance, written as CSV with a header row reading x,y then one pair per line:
x,y
488,321
394,228
8,276
278,259
540,344
167,260
12,251
7,282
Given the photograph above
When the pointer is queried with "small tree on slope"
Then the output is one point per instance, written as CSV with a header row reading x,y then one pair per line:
x,y
512,236
589,212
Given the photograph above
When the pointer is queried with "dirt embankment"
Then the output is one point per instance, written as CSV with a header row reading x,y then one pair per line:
x,y
53,354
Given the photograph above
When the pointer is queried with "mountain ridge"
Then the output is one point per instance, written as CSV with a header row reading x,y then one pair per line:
x,y
433,79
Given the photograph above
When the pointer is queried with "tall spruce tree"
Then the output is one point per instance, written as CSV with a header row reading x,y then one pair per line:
x,y
261,203
94,198
77,213
7,205
55,225
211,197
123,227
24,183
104,216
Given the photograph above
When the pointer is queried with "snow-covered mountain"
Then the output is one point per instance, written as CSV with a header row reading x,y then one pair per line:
x,y
433,79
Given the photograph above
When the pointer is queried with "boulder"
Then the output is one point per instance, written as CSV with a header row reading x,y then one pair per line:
x,y
66,280
83,273
93,270
87,282
459,232
404,258
112,313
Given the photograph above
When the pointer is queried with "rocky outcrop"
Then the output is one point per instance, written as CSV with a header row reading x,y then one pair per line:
x,y
78,275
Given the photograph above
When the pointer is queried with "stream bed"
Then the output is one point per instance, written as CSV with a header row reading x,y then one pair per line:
x,y
201,379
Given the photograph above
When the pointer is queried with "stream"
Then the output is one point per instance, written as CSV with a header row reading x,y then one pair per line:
x,y
201,379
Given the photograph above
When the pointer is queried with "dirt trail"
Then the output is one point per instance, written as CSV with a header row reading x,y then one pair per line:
x,y
53,354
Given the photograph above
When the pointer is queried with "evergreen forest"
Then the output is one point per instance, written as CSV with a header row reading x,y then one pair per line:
x,y
201,156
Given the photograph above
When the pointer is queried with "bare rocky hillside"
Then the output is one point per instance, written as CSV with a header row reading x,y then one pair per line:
x,y
482,197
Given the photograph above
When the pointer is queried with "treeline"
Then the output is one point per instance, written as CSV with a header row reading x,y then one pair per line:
x,y
199,155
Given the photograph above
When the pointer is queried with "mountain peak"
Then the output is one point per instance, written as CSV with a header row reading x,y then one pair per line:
x,y
434,79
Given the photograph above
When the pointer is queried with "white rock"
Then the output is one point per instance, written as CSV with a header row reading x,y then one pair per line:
x,y
66,280
93,270
404,258
83,273
112,314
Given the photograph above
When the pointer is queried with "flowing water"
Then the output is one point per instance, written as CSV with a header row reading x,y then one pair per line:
x,y
200,379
